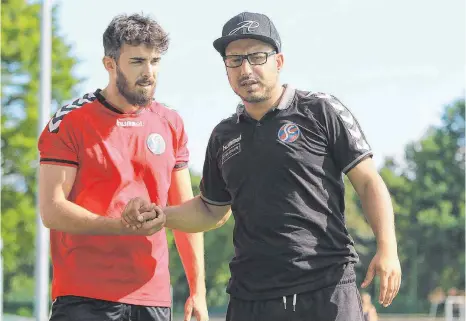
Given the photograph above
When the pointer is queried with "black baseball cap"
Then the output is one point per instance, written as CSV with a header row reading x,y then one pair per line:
x,y
248,25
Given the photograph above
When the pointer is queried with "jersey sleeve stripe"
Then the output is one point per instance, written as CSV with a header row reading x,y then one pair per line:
x,y
357,161
54,160
181,165
208,201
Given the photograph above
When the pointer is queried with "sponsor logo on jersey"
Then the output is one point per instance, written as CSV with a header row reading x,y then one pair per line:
x,y
230,149
232,142
129,123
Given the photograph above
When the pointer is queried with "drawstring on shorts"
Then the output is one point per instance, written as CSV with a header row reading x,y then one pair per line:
x,y
294,302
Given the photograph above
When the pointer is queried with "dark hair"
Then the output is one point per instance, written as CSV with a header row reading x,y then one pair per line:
x,y
133,30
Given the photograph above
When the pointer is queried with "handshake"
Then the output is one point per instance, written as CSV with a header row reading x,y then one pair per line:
x,y
142,218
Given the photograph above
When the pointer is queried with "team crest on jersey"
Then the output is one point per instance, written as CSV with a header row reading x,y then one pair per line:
x,y
156,143
289,133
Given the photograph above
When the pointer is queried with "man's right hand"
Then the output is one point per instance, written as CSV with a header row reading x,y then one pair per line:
x,y
142,217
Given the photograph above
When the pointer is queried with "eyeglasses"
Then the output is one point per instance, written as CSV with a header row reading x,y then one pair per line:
x,y
255,58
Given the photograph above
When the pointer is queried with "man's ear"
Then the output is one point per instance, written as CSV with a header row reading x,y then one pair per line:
x,y
109,63
280,59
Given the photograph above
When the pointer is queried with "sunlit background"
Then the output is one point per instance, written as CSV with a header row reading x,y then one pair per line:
x,y
399,66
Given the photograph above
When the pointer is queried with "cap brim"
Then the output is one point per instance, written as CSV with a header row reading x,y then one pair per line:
x,y
221,43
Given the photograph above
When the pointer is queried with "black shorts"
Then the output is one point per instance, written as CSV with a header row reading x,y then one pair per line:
x,y
75,308
336,303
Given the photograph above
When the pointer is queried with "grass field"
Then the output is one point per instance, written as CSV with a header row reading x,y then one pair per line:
x,y
391,317
401,317
381,318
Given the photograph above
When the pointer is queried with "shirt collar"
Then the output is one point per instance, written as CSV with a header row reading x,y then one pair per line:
x,y
285,102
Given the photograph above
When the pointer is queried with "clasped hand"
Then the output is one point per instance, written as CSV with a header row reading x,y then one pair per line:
x,y
142,217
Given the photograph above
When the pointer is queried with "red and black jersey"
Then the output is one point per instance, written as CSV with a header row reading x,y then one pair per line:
x,y
118,157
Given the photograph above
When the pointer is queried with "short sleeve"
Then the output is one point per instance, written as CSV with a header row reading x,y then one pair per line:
x,y
181,152
58,144
212,186
347,142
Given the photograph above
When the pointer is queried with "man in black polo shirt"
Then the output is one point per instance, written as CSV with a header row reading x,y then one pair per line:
x,y
277,163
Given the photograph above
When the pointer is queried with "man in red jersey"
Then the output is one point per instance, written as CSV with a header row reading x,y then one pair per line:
x,y
111,152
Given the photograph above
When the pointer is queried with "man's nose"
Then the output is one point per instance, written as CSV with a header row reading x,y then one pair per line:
x,y
246,68
148,70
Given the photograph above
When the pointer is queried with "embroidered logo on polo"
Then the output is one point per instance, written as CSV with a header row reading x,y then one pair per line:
x,y
230,149
54,124
349,122
156,143
289,133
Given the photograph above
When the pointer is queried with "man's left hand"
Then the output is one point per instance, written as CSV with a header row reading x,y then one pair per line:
x,y
196,306
387,266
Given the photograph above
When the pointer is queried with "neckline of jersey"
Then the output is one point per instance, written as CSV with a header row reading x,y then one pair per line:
x,y
285,102
114,111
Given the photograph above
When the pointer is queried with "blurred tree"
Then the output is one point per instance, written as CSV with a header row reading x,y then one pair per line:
x,y
428,192
20,85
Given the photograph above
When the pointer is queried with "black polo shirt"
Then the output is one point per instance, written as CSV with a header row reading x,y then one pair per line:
x,y
283,177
